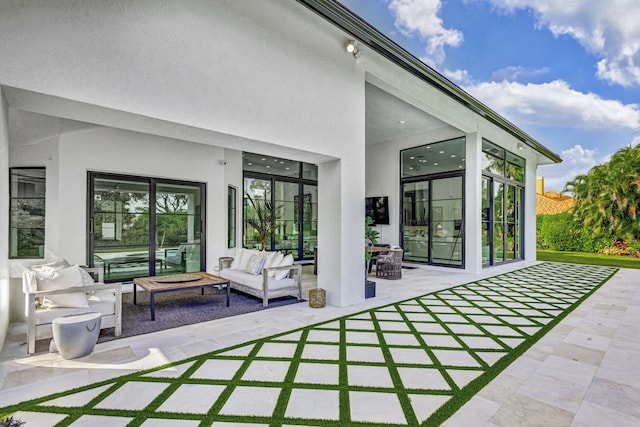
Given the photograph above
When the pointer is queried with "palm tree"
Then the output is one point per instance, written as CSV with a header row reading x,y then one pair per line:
x,y
608,197
265,218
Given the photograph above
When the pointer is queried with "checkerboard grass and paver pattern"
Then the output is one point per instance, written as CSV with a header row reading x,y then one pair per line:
x,y
413,362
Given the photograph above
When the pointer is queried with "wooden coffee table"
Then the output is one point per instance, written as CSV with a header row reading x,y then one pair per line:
x,y
178,282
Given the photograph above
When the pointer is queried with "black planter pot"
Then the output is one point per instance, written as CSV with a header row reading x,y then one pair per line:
x,y
370,289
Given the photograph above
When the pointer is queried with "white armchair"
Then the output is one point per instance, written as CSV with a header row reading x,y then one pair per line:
x,y
61,293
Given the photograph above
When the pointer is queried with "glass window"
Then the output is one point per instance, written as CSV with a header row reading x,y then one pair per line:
x,y
142,226
310,219
492,158
432,221
27,219
258,191
309,171
515,167
270,165
231,217
446,156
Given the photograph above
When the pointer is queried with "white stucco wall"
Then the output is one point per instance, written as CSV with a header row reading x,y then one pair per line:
x,y
270,79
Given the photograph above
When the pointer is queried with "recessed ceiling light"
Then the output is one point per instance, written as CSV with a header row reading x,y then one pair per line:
x,y
263,159
275,160
412,157
282,163
287,168
428,147
463,160
435,164
268,166
460,167
411,168
441,152
250,164
453,155
402,122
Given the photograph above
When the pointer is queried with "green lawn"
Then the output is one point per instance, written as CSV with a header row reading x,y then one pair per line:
x,y
588,258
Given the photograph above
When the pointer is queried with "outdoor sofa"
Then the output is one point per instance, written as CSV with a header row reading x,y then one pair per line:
x,y
265,275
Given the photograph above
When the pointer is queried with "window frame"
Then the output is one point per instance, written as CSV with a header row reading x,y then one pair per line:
x,y
232,216
13,197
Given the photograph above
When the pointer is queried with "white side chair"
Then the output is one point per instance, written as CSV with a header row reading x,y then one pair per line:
x,y
70,299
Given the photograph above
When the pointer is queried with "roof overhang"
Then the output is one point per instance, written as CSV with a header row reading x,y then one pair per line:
x,y
365,33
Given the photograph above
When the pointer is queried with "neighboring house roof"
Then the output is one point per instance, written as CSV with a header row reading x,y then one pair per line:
x,y
365,33
551,203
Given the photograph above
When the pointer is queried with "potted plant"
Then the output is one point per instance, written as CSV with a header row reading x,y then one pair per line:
x,y
265,218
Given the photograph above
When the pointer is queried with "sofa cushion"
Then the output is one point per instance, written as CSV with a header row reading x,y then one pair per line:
x,y
255,282
62,278
286,261
246,256
268,257
101,302
275,262
254,266
237,257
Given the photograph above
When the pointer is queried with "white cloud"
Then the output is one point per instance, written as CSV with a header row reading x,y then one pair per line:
x,y
461,77
421,17
607,28
555,104
514,73
576,161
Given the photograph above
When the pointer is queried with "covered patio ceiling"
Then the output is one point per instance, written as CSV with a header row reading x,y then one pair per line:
x,y
387,118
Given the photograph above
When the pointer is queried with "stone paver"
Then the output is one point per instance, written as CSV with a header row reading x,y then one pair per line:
x,y
424,345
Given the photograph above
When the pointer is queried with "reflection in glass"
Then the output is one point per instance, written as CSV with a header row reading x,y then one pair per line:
x,y
260,191
446,222
121,228
446,156
310,219
178,212
288,226
27,212
486,222
415,208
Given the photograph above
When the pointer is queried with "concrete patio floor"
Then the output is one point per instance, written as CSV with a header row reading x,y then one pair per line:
x,y
584,372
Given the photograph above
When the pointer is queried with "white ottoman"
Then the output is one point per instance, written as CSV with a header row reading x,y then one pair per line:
x,y
76,335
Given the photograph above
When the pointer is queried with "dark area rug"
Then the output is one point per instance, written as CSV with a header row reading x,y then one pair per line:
x,y
185,307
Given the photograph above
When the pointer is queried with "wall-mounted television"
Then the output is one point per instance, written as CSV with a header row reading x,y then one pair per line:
x,y
378,209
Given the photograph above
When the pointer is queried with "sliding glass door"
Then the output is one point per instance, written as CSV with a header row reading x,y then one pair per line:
x,y
432,220
144,226
297,224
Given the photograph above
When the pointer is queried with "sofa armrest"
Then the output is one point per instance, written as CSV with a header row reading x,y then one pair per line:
x,y
94,270
295,270
117,287
224,262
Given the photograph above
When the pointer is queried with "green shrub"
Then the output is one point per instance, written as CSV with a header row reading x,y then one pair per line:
x,y
561,233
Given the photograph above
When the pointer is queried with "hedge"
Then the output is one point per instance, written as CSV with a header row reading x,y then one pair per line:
x,y
561,233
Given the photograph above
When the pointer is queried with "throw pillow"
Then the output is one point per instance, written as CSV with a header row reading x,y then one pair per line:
x,y
286,261
254,266
237,258
246,256
268,257
275,262
63,278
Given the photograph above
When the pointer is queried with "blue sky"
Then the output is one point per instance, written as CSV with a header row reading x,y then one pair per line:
x,y
565,71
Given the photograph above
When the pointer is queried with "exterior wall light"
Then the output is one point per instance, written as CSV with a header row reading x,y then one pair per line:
x,y
352,48
520,146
